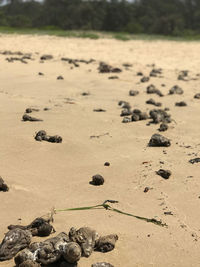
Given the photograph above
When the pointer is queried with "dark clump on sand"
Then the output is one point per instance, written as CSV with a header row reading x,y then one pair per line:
x,y
126,120
46,57
183,75
30,110
195,160
151,101
124,104
105,68
3,185
158,140
106,243
107,163
164,173
113,77
145,79
125,112
180,104
159,115
138,115
155,72
39,227
42,135
176,90
197,96
40,73
97,180
29,118
60,77
14,241
102,264
76,61
163,127
133,92
99,110
151,89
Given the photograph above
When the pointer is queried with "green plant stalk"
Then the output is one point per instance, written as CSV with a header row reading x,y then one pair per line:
x,y
108,207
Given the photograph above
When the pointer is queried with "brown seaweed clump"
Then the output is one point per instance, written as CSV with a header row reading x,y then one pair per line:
x,y
159,140
42,135
14,241
3,185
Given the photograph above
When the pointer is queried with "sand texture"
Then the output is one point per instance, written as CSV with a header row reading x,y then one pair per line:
x,y
43,175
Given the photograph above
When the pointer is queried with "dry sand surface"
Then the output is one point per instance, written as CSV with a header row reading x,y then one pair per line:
x,y
43,175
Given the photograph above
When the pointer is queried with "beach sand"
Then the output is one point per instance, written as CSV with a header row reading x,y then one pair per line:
x,y
43,175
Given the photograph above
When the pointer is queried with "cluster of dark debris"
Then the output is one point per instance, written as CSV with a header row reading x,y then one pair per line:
x,y
62,250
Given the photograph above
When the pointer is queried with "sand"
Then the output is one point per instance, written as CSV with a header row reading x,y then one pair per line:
x,y
43,175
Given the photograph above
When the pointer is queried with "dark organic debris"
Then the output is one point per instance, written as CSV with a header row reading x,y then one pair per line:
x,y
30,110
85,237
127,65
151,89
159,140
107,163
138,115
113,77
72,252
126,120
168,213
155,72
76,61
98,136
164,173
3,185
125,112
60,77
39,227
176,90
124,104
42,135
106,243
183,75
159,115
151,101
46,57
102,264
133,92
163,127
99,110
139,73
196,160
180,104
105,68
97,180
14,241
144,79
29,118
85,94
146,189
21,59
197,96
41,73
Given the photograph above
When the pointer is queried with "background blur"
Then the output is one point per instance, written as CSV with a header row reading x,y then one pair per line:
x,y
166,17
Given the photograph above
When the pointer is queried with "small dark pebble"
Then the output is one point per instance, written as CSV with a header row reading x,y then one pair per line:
x,y
145,79
99,110
164,173
60,78
196,160
3,186
125,112
133,92
163,127
102,264
146,189
180,104
153,102
85,94
46,57
176,90
139,74
113,77
197,96
107,163
168,213
126,120
40,73
97,180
